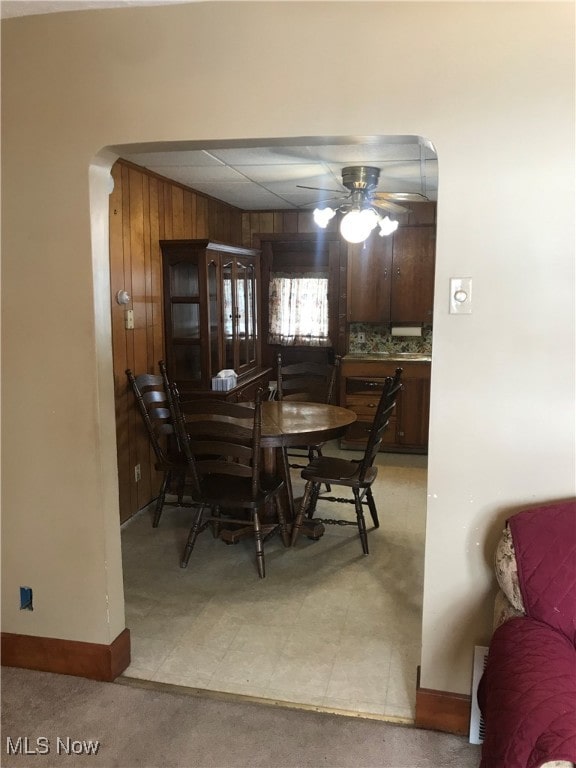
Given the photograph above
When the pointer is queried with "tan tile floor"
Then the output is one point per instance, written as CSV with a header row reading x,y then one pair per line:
x,y
327,627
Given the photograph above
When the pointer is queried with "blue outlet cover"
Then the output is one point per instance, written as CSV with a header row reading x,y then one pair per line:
x,y
26,598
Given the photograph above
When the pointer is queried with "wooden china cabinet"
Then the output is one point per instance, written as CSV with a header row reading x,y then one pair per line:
x,y
211,316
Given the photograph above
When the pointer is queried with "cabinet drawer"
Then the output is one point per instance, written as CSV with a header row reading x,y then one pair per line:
x,y
363,405
363,385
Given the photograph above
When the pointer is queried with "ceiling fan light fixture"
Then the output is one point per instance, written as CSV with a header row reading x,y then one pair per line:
x,y
357,224
360,210
323,215
387,226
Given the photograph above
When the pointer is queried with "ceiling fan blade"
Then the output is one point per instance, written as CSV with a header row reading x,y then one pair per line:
x,y
321,189
317,203
401,197
388,205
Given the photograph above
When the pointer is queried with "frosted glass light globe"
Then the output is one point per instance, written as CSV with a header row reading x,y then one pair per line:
x,y
387,226
357,225
323,215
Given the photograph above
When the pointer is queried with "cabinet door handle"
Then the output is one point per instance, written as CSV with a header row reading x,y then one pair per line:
x,y
371,405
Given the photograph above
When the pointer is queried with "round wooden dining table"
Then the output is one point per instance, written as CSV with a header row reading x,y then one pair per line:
x,y
286,423
290,423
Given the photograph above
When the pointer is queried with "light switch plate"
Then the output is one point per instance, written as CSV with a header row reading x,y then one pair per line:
x,y
460,295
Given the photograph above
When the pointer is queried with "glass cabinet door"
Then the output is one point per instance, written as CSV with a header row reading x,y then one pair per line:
x,y
251,338
228,313
185,320
246,302
241,313
184,279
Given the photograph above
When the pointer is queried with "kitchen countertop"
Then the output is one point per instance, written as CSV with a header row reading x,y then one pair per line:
x,y
418,357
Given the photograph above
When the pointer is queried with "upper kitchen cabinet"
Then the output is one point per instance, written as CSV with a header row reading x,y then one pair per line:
x,y
391,279
210,310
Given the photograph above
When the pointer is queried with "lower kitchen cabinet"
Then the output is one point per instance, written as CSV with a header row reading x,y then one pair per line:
x,y
361,384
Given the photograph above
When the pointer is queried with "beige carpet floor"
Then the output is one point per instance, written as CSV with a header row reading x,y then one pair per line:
x,y
66,718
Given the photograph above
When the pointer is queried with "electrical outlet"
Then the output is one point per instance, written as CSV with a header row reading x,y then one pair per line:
x,y
26,599
361,337
137,473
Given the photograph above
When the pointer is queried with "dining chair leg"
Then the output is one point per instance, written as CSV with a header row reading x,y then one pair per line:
x,y
181,486
193,535
361,521
372,508
313,500
287,480
282,520
259,546
299,519
318,450
160,500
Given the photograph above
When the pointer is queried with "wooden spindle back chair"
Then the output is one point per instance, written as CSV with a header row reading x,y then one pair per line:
x,y
221,442
154,403
310,382
357,475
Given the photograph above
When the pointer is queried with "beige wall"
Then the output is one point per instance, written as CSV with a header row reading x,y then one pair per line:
x,y
491,84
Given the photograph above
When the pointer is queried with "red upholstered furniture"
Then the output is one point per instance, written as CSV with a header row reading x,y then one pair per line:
x,y
527,694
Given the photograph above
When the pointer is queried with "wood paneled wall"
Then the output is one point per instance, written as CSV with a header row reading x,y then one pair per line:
x,y
144,209
254,223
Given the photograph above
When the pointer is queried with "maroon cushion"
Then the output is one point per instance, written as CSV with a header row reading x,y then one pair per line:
x,y
527,696
545,546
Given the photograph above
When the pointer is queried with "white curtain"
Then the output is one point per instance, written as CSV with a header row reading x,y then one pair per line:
x,y
299,310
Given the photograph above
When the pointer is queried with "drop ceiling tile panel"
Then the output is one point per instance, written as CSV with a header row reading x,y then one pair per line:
x,y
309,200
252,156
400,185
194,175
408,171
169,159
367,154
289,175
247,196
321,180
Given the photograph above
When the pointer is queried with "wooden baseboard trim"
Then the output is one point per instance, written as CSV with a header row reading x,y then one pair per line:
x,y
67,657
442,710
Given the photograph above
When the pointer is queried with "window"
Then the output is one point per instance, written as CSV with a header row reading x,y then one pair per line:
x,y
299,310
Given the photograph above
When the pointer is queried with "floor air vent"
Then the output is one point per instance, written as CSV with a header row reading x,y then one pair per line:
x,y
476,720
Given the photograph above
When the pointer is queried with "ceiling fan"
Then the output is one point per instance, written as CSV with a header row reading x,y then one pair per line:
x,y
361,202
361,181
